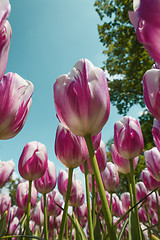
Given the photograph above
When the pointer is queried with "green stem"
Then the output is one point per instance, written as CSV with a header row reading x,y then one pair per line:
x,y
28,207
45,218
130,189
70,237
111,204
148,218
66,230
90,224
105,206
132,177
93,203
158,210
53,228
64,217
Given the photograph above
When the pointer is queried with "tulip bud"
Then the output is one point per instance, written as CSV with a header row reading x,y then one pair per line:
x,y
22,195
47,182
101,156
82,99
110,177
123,164
148,180
33,161
128,139
6,170
152,159
156,133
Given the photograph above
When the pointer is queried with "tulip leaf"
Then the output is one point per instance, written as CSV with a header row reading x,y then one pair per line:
x,y
123,229
79,229
133,228
97,229
3,223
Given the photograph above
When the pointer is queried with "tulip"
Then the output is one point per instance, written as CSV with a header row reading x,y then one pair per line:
x,y
37,215
74,150
152,159
13,212
6,170
15,102
82,99
81,214
123,164
77,199
128,139
142,192
110,177
148,180
47,182
117,208
53,202
90,184
63,182
5,37
5,9
99,200
33,161
142,215
22,195
155,198
5,203
13,225
101,156
126,201
156,133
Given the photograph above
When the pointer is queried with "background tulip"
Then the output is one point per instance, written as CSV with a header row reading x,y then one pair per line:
x,y
156,133
123,164
37,215
71,150
152,159
78,197
6,170
128,139
47,182
142,192
81,99
5,203
5,9
33,161
126,201
15,102
150,182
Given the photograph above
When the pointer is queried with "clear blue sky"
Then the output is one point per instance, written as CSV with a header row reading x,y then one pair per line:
x,y
48,38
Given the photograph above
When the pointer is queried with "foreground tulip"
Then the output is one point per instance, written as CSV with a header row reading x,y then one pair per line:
x,y
101,156
6,170
123,164
152,159
33,161
15,102
128,139
71,150
82,99
156,133
47,182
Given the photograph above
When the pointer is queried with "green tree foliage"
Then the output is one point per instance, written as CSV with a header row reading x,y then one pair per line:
x,y
126,58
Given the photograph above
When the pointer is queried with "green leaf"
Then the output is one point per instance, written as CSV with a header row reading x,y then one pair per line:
x,y
123,229
133,228
3,223
97,229
79,229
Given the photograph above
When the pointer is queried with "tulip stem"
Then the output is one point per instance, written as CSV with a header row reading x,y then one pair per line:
x,y
111,204
28,207
158,210
90,224
132,177
53,228
105,206
93,203
130,189
45,218
149,223
64,217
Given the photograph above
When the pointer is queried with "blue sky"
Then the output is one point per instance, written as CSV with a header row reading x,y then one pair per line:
x,y
48,38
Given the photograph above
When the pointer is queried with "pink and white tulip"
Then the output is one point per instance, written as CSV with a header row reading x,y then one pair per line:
x,y
78,197
37,215
13,225
128,138
5,9
71,150
123,164
156,133
6,170
150,182
142,192
33,161
47,182
152,159
63,182
5,203
82,99
15,103
126,200
110,177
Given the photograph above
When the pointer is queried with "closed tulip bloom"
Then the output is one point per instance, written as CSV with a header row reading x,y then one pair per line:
x,y
142,192
22,195
90,184
47,182
37,215
82,211
123,164
13,212
126,200
33,161
154,201
77,199
71,150
15,102
99,200
117,208
5,9
63,182
82,99
152,159
128,138
156,133
53,198
5,203
13,225
6,170
101,156
110,177
150,182
142,215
